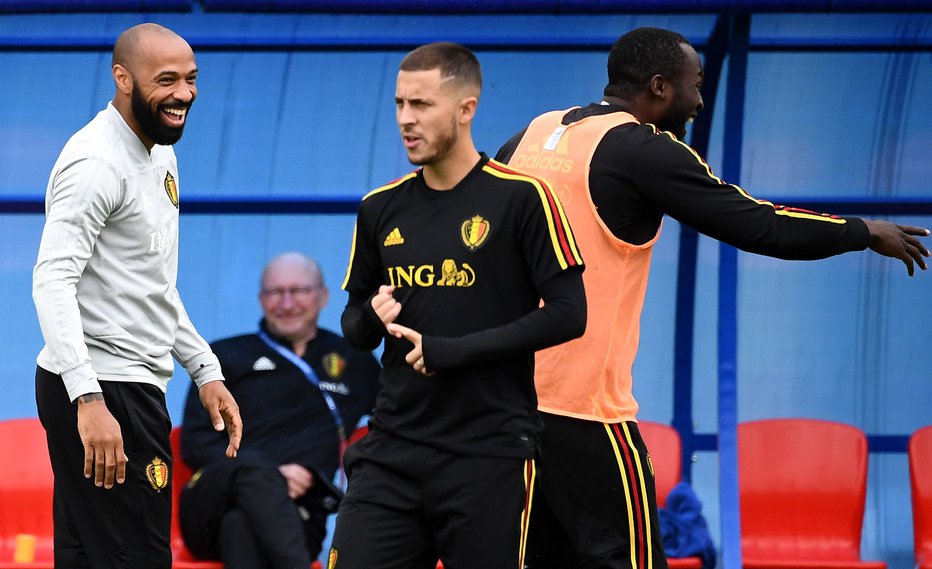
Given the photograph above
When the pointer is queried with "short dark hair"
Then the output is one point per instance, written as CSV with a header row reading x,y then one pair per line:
x,y
639,55
452,59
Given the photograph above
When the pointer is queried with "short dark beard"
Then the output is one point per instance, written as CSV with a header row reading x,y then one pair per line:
x,y
444,144
676,127
676,117
149,121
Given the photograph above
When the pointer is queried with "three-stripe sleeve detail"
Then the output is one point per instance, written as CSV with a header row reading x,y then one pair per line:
x,y
561,236
777,209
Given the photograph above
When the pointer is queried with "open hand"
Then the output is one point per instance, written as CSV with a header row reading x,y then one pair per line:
x,y
898,241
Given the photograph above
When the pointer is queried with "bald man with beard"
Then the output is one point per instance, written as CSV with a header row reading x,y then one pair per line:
x,y
105,292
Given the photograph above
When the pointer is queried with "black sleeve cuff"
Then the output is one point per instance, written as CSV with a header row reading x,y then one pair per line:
x,y
361,326
860,234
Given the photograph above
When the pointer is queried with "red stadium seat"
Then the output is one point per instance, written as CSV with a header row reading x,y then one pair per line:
x,y
920,477
802,486
181,473
666,452
26,487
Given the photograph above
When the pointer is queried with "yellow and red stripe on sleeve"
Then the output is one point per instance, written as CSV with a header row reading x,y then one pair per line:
x,y
561,236
777,209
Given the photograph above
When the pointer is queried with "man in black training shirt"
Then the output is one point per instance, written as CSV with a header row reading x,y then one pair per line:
x,y
598,507
449,265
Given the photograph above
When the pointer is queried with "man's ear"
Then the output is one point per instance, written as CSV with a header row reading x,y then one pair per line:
x,y
659,86
468,109
123,79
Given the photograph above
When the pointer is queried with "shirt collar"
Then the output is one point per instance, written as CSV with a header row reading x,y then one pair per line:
x,y
127,136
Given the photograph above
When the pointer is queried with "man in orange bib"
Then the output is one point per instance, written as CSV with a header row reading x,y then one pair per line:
x,y
618,166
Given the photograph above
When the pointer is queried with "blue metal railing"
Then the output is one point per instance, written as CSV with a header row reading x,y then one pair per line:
x,y
356,40
265,205
467,6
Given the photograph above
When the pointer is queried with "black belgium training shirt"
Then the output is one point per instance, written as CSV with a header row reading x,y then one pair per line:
x,y
470,266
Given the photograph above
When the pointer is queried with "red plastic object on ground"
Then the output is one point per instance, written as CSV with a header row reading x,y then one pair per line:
x,y
802,486
920,477
26,487
666,452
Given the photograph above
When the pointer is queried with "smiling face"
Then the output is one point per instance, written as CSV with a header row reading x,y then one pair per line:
x,y
428,114
156,86
684,101
292,295
160,121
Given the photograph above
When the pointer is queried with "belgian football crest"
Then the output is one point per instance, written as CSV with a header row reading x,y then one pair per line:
x,y
171,188
334,364
475,231
157,474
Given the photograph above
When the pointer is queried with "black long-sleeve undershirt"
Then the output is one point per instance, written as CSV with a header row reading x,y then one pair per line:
x,y
361,326
637,175
562,317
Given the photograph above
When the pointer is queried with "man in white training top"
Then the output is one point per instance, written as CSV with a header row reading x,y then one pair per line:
x,y
104,289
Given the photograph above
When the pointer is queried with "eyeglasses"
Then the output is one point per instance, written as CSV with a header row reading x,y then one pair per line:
x,y
299,294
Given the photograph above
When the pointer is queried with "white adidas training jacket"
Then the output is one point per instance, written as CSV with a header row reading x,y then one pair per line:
x,y
104,282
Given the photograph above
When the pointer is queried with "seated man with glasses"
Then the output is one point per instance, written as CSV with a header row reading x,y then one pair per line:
x,y
303,389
